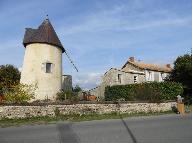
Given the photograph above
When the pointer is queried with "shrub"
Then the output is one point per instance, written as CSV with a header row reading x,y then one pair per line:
x,y
20,93
67,95
153,91
63,95
77,88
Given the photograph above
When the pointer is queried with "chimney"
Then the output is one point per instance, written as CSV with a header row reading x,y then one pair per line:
x,y
131,59
168,65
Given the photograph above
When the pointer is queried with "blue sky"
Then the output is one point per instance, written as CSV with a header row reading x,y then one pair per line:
x,y
100,34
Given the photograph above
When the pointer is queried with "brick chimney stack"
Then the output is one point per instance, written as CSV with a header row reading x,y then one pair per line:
x,y
168,65
131,59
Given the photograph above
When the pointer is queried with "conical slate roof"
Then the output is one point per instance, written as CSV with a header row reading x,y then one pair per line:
x,y
44,34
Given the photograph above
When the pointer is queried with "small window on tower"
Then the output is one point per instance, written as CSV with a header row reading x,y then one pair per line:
x,y
48,67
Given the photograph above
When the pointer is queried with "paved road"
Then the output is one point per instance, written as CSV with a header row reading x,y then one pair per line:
x,y
159,129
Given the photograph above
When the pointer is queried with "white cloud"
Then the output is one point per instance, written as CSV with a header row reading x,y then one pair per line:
x,y
116,19
87,80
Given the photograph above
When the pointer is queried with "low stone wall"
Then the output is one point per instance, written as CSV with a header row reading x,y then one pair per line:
x,y
49,110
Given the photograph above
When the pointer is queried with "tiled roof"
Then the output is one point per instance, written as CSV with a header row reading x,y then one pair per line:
x,y
123,70
44,34
152,67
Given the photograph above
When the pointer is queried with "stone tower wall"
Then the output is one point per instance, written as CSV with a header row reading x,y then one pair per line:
x,y
34,69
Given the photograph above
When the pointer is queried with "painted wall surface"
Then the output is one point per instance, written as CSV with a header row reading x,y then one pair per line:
x,y
33,70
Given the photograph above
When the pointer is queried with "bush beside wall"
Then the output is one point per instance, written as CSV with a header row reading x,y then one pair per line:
x,y
67,96
20,93
153,91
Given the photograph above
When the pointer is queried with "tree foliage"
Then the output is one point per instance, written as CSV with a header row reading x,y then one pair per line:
x,y
77,88
9,76
182,72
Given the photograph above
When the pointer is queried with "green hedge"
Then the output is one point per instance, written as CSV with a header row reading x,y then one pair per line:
x,y
153,91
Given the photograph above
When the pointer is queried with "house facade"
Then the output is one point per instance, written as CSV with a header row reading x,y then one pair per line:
x,y
133,71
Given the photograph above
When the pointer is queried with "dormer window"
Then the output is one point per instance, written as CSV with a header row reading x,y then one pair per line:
x,y
48,67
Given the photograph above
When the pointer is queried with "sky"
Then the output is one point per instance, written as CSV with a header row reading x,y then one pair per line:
x,y
100,34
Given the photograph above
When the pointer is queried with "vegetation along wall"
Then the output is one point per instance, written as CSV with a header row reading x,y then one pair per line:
x,y
153,91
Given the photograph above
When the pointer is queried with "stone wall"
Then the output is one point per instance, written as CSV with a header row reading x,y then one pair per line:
x,y
49,110
129,66
110,78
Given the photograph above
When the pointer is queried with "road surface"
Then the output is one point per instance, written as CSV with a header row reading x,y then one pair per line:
x,y
156,129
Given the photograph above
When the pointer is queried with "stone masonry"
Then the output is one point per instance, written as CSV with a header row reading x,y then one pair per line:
x,y
49,110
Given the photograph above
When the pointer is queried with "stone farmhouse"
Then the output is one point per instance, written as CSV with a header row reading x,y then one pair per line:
x,y
133,71
42,64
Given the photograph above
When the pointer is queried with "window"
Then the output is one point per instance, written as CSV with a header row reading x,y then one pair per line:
x,y
150,76
119,78
135,78
161,76
48,67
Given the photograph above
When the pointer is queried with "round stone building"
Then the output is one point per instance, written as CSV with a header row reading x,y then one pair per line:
x,y
42,65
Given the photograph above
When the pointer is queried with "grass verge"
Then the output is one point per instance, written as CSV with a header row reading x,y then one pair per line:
x,y
5,122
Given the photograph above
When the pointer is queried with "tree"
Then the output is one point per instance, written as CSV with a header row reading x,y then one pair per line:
x,y
9,76
77,88
182,72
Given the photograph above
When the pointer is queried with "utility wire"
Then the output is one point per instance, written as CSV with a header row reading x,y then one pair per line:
x,y
71,61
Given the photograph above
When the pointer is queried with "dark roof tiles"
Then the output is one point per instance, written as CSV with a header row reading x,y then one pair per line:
x,y
44,34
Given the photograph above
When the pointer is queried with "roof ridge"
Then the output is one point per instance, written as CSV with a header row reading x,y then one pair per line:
x,y
164,66
149,66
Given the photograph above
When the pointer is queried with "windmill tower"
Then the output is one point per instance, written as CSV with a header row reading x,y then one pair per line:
x,y
42,65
